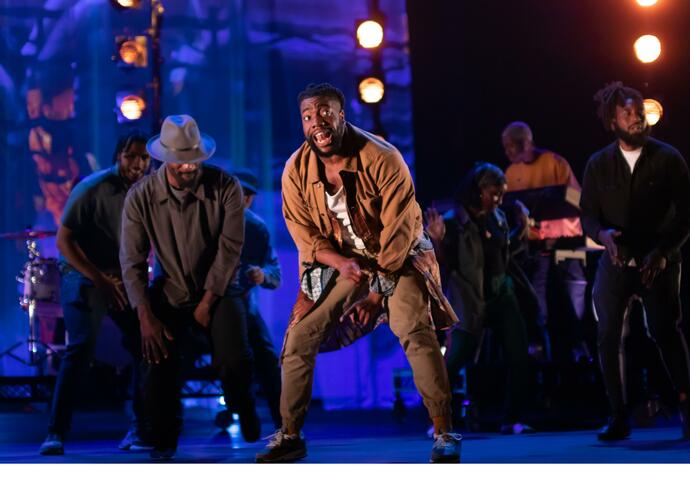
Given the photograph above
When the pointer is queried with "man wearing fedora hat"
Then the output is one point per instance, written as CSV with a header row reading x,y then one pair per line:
x,y
259,267
191,214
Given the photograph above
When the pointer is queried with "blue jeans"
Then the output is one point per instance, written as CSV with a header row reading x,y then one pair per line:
x,y
266,363
84,309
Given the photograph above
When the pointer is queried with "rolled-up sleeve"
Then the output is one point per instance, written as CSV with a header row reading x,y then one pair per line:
x,y
304,232
230,241
399,212
134,250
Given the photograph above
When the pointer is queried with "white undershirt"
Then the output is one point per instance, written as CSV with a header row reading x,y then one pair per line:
x,y
631,157
336,203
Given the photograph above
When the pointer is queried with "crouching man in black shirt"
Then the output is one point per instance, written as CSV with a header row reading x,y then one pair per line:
x,y
636,202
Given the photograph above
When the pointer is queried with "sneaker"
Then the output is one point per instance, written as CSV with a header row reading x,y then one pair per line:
x,y
446,448
517,428
134,442
616,430
250,425
163,454
283,448
53,445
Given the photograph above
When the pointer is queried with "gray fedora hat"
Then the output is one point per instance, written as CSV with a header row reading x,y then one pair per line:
x,y
180,141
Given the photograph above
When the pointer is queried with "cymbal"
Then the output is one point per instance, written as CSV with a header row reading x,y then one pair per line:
x,y
27,235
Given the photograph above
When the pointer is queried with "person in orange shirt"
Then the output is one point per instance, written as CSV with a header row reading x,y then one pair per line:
x,y
532,167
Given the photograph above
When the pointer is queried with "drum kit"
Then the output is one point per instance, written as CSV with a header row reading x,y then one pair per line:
x,y
39,296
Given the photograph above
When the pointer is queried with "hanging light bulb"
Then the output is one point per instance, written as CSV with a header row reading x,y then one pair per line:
x,y
371,90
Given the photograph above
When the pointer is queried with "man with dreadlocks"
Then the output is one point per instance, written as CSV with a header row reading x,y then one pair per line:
x,y
636,202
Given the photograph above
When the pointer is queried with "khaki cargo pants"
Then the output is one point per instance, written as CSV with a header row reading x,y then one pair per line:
x,y
409,321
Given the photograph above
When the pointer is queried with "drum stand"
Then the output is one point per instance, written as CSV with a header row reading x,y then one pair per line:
x,y
38,350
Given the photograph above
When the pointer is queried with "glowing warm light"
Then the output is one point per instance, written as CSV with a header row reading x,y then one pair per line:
x,y
129,52
653,111
647,48
646,3
371,90
126,4
132,107
133,52
370,34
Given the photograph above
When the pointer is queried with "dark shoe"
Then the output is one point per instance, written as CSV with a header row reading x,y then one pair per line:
x,y
616,430
250,425
283,449
53,445
685,419
517,428
446,448
134,442
163,454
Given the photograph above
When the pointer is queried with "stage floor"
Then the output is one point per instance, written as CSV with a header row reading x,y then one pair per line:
x,y
333,437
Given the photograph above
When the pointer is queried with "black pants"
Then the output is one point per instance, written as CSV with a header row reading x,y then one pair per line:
x,y
504,319
232,358
83,318
266,363
613,288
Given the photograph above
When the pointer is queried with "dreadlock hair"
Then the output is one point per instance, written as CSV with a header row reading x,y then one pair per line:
x,y
322,90
481,176
612,95
124,142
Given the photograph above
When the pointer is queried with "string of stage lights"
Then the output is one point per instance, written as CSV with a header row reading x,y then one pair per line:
x,y
647,49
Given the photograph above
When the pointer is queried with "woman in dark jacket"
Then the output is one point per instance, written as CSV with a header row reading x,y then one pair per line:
x,y
472,244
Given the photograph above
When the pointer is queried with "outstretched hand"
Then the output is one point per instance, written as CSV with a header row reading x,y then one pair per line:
x,y
363,310
435,225
608,239
153,339
652,266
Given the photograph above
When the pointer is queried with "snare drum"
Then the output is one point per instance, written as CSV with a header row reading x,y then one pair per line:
x,y
40,281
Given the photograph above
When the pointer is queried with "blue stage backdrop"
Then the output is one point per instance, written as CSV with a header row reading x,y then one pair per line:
x,y
236,66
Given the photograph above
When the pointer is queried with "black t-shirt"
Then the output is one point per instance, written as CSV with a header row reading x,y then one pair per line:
x,y
94,213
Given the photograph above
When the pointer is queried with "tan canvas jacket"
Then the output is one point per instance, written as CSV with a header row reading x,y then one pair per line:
x,y
382,207
380,199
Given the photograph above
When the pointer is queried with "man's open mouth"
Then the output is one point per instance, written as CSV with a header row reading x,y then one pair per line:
x,y
322,138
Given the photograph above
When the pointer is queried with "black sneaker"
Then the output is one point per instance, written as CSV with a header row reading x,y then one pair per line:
x,y
616,430
283,449
133,441
53,445
163,454
250,425
446,448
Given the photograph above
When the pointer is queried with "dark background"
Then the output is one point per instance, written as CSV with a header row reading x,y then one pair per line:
x,y
478,65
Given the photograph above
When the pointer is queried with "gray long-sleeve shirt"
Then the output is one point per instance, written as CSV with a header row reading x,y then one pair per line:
x,y
196,242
